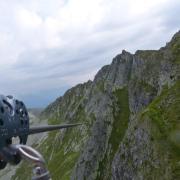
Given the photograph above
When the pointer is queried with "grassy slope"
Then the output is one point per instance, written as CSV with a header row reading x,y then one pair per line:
x,y
120,124
163,115
60,149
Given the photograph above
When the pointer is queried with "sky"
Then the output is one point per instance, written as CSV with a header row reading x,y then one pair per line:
x,y
46,47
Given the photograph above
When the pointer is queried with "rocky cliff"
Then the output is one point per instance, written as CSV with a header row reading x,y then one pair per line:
x,y
131,121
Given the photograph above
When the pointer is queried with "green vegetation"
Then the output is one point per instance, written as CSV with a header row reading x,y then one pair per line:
x,y
151,147
121,118
165,110
23,172
146,54
146,87
164,114
100,85
60,149
62,154
175,48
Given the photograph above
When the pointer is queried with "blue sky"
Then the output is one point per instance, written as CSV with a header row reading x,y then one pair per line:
x,y
47,46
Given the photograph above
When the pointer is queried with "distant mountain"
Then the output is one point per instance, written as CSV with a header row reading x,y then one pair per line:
x,y
131,121
35,111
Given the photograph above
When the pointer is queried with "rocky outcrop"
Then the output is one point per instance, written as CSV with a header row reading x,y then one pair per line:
x,y
130,120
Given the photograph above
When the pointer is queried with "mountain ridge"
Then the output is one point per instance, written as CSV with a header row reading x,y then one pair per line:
x,y
126,111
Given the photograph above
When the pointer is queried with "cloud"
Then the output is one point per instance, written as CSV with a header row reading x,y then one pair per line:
x,y
49,46
27,19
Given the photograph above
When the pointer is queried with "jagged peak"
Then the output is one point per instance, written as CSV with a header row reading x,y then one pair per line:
x,y
123,57
124,112
124,53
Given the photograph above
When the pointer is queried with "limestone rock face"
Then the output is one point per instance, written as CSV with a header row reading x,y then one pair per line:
x,y
130,115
